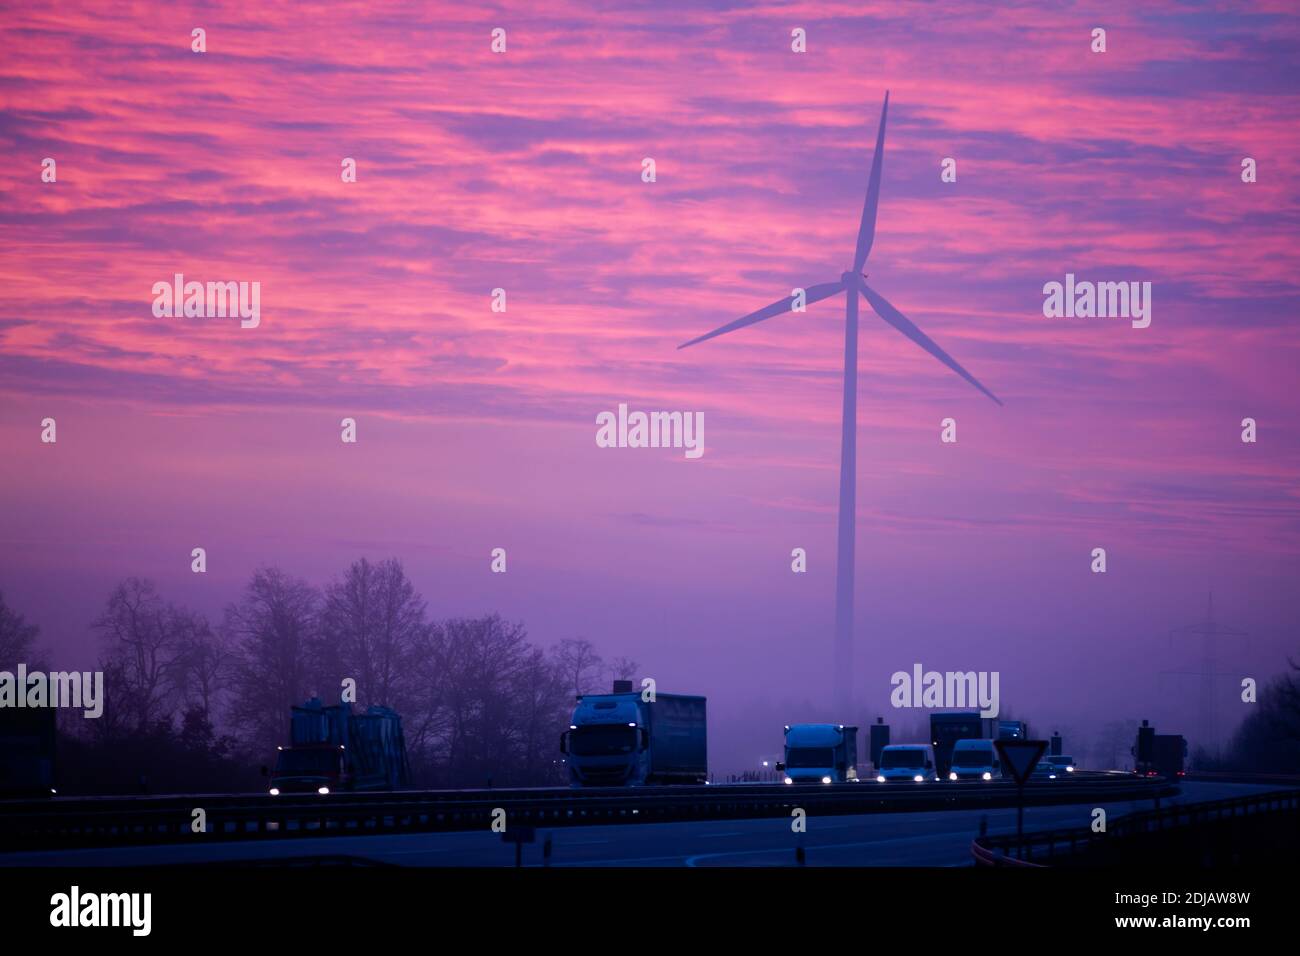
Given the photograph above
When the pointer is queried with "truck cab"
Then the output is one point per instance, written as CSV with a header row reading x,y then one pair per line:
x,y
309,769
606,743
820,753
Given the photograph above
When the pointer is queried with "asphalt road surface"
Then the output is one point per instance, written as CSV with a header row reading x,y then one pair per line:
x,y
878,839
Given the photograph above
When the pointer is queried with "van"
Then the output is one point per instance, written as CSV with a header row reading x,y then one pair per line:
x,y
974,760
906,762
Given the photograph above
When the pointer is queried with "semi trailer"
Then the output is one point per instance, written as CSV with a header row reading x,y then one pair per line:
x,y
628,739
331,748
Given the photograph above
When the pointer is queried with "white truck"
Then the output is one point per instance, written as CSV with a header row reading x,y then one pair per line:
x,y
626,739
974,759
913,762
820,753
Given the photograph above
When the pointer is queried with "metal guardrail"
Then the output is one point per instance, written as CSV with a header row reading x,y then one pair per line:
x,y
1081,845
116,821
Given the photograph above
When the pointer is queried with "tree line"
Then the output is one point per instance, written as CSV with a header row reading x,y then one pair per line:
x,y
193,703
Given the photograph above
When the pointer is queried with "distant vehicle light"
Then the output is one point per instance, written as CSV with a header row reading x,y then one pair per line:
x,y
788,780
987,775
1069,770
764,763
952,775
573,726
631,723
1051,776
52,790
918,778
880,779
275,791
826,779
323,791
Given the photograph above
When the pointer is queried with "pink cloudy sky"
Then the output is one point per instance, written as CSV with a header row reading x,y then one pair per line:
x,y
523,171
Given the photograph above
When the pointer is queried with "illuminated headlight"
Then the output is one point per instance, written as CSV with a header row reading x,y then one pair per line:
x,y
1069,770
275,791
1051,776
826,779
323,791
918,778
988,776
788,780
880,779
952,776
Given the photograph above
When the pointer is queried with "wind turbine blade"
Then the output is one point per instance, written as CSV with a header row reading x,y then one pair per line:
x,y
867,231
813,294
905,325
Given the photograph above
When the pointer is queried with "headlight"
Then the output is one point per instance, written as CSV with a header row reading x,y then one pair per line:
x,y
275,791
918,778
952,775
880,779
1051,776
988,776
323,790
826,779
1069,770
788,780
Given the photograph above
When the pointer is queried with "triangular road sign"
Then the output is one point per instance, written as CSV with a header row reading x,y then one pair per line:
x,y
1020,756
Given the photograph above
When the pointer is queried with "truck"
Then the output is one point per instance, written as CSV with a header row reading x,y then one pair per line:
x,y
1159,755
333,748
1169,751
27,737
820,753
1013,730
948,728
630,739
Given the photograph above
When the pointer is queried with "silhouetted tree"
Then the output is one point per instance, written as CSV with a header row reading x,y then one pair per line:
x,y
272,630
205,668
623,668
1268,740
17,637
371,623
578,660
143,637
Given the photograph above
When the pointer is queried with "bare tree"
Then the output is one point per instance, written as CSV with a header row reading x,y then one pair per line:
x,y
580,664
272,630
623,668
371,623
17,637
543,716
143,637
205,668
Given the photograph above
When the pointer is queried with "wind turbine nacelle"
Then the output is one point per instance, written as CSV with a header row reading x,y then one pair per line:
x,y
851,280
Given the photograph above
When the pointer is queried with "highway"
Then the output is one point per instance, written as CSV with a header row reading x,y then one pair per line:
x,y
939,838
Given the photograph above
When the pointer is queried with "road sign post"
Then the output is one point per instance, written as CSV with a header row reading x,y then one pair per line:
x,y
1020,757
519,836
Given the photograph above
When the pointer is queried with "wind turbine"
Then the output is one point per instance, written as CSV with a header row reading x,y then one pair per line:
x,y
852,282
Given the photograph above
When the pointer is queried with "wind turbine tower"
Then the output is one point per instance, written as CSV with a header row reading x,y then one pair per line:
x,y
853,283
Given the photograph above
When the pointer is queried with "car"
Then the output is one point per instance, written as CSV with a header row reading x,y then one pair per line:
x,y
1061,764
900,762
1047,769
974,759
